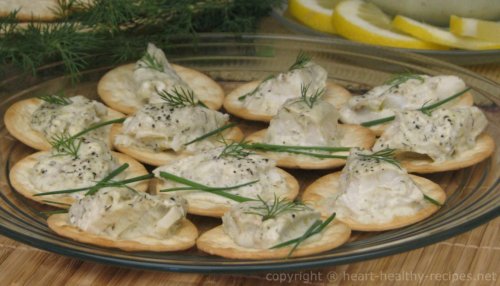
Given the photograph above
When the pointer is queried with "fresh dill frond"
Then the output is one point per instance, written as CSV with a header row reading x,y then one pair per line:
x,y
301,60
56,98
317,227
179,97
277,207
216,131
386,155
310,100
398,79
66,145
234,149
151,62
254,91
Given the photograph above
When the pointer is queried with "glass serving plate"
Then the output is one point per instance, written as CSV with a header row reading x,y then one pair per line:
x,y
458,57
473,193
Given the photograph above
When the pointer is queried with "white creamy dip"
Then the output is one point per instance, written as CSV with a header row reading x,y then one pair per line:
x,y
375,191
160,127
297,123
213,170
272,93
412,94
53,119
247,227
442,135
162,77
55,172
127,215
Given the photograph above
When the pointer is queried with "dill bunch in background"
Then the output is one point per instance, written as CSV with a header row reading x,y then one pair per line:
x,y
120,28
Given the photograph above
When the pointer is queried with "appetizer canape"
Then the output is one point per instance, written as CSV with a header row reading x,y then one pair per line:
x,y
128,87
180,125
54,177
36,121
129,220
273,229
305,134
403,92
261,100
230,168
443,140
373,193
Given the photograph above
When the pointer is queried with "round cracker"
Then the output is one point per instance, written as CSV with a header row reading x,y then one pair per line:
x,y
184,238
335,94
353,136
465,100
485,145
162,158
20,173
204,207
328,186
117,88
17,120
217,242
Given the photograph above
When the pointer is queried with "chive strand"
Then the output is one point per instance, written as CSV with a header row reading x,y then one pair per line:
x,y
213,132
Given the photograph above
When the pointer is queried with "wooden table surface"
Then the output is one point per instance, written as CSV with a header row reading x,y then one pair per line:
x,y
472,258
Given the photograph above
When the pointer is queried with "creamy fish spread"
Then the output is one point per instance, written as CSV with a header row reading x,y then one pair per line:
x,y
411,94
53,119
298,123
272,93
215,170
441,135
375,191
248,225
153,73
161,127
55,172
122,214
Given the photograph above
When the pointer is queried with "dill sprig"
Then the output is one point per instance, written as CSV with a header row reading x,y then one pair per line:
x,y
432,201
180,97
56,98
425,109
398,79
211,133
191,185
386,155
277,207
66,145
301,60
310,100
317,227
233,149
103,183
151,62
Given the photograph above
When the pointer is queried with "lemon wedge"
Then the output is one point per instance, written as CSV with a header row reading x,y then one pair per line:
x,y
364,22
316,14
469,27
440,36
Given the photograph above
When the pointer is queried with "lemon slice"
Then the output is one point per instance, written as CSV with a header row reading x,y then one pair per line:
x,y
469,27
316,14
365,22
440,36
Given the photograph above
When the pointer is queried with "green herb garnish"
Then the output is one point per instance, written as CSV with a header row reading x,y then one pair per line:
x,y
398,79
277,207
211,133
221,191
57,99
66,145
63,211
234,149
425,109
151,62
315,228
300,62
387,155
310,100
256,88
180,97
432,201
301,150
